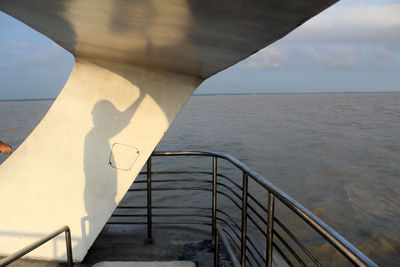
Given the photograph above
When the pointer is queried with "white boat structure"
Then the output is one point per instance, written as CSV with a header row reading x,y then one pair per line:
x,y
136,64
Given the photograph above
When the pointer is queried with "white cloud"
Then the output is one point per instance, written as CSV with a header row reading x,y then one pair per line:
x,y
352,23
18,44
343,56
267,57
380,57
342,37
32,57
332,56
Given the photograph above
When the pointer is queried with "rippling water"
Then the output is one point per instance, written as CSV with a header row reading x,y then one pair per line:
x,y
337,154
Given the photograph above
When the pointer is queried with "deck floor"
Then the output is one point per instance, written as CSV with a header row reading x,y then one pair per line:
x,y
127,243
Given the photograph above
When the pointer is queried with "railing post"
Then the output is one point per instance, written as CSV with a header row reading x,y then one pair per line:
x,y
270,228
69,247
214,203
244,219
149,239
216,249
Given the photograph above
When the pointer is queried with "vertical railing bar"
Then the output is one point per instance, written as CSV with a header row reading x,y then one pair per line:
x,y
69,247
270,228
149,239
214,202
216,249
244,219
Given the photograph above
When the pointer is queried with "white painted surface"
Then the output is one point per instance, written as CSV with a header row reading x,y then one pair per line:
x,y
61,174
145,264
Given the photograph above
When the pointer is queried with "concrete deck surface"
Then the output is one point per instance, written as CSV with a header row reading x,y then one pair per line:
x,y
170,243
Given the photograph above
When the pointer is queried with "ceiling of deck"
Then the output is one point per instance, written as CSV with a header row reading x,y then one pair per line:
x,y
196,37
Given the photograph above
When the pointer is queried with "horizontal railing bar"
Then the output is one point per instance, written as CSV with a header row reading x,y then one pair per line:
x,y
11,258
235,232
251,258
234,240
177,172
228,196
257,214
230,218
254,260
238,196
293,237
240,188
170,189
237,246
230,190
132,207
199,223
237,237
259,254
163,207
248,215
275,246
258,227
129,215
234,193
228,247
230,180
282,240
162,223
194,180
290,249
341,244
109,222
208,181
201,180
258,203
161,215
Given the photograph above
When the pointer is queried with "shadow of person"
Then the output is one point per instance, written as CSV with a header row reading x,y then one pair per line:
x,y
101,178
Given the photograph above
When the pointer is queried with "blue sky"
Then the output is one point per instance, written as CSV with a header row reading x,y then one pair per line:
x,y
354,46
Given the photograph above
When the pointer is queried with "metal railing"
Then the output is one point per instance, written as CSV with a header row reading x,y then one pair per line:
x,y
13,257
278,240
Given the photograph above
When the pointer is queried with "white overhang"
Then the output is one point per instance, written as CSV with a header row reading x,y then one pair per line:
x,y
193,37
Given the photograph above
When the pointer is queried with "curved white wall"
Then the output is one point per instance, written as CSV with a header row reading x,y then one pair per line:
x,y
61,174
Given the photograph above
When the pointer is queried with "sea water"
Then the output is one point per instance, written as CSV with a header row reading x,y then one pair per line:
x,y
337,154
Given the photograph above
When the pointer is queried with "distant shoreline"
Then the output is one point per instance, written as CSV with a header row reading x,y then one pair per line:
x,y
301,93
219,94
27,99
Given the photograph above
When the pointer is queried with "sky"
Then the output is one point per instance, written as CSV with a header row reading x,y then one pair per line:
x,y
353,46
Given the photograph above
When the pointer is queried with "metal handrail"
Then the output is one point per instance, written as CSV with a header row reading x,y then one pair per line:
x,y
13,257
337,241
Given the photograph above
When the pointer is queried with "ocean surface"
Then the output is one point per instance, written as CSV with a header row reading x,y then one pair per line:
x,y
337,154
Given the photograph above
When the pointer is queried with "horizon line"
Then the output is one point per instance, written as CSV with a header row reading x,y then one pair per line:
x,y
216,94
295,93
